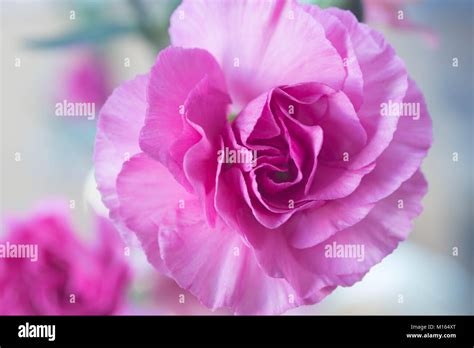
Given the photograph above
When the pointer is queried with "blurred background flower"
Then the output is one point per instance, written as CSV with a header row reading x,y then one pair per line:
x,y
85,79
392,13
64,276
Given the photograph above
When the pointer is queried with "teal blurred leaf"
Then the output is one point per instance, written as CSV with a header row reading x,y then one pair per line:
x,y
84,35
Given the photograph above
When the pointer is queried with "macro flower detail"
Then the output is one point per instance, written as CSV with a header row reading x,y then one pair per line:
x,y
46,270
317,184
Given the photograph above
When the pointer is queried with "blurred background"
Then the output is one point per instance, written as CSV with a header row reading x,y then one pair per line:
x,y
80,50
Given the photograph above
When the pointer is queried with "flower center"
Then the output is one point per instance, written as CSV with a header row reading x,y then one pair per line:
x,y
231,117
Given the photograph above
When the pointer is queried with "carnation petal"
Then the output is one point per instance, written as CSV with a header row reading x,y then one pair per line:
x,y
146,191
254,41
232,279
311,269
167,134
338,34
405,153
387,224
120,121
385,78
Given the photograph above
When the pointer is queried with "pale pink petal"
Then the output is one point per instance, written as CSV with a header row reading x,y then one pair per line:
x,y
146,191
219,229
385,226
337,33
256,112
120,121
397,163
308,270
220,270
332,183
175,74
255,41
403,157
385,78
387,12
206,108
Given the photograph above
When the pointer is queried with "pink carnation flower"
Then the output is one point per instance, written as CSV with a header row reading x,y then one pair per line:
x,y
316,172
56,274
388,12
